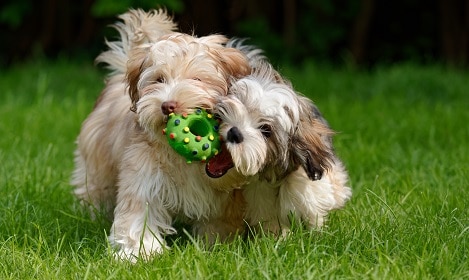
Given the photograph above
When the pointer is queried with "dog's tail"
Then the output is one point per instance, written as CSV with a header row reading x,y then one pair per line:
x,y
137,28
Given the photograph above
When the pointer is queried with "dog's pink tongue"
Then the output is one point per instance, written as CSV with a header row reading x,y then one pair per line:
x,y
219,164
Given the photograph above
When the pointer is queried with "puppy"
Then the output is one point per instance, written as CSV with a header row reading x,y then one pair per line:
x,y
280,140
123,162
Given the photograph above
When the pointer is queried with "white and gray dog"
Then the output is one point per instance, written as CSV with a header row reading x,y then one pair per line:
x,y
280,140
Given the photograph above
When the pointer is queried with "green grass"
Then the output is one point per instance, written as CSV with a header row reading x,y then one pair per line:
x,y
402,131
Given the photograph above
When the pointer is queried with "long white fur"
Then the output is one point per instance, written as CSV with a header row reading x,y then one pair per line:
x,y
136,29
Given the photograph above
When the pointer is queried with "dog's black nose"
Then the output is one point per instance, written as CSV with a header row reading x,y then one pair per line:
x,y
168,107
234,135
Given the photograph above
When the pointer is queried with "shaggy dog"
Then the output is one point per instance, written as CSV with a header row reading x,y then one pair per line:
x,y
123,162
280,140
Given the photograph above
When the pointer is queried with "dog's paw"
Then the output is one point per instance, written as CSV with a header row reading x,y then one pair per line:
x,y
144,252
126,254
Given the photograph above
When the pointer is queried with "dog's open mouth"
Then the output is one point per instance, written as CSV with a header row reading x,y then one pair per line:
x,y
218,165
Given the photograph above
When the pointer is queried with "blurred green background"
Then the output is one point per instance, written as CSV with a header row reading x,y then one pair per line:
x,y
351,32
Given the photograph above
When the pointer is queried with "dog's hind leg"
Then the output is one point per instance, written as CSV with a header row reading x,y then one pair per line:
x,y
310,201
95,185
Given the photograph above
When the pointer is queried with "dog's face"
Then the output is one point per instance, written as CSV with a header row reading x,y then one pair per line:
x,y
178,73
270,131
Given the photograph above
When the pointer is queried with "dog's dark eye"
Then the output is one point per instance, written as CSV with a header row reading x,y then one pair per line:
x,y
266,130
196,79
160,79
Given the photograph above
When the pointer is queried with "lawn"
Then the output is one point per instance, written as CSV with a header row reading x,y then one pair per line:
x,y
403,134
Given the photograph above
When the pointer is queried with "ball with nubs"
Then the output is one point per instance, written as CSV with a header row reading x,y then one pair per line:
x,y
195,136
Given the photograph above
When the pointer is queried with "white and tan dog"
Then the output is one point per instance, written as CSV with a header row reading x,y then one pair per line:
x,y
280,140
124,164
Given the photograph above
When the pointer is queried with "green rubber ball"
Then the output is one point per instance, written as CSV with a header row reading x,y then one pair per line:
x,y
194,136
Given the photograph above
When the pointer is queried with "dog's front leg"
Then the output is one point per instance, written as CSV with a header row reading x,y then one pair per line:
x,y
140,218
228,221
134,232
262,207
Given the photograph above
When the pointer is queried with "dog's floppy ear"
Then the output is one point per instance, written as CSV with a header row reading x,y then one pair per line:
x,y
231,60
311,144
135,66
234,62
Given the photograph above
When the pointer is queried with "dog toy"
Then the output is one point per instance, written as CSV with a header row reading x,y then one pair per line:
x,y
194,136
